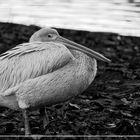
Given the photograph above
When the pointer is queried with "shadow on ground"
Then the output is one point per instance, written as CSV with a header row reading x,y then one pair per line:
x,y
110,106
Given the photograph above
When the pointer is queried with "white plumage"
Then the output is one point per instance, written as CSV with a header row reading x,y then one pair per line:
x,y
44,72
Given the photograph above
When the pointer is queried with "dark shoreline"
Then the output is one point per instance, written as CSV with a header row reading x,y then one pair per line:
x,y
110,106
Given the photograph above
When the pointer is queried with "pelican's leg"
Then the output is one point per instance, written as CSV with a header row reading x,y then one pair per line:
x,y
44,117
26,122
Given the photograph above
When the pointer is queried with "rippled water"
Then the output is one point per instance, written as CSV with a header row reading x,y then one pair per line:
x,y
118,16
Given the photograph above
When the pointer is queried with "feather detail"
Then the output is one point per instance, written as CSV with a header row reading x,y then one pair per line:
x,y
57,86
30,60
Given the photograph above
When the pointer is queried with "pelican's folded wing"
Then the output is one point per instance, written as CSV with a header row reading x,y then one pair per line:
x,y
31,60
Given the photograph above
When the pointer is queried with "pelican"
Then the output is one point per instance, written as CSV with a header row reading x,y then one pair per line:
x,y
47,70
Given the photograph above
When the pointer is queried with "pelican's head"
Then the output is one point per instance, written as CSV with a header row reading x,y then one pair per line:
x,y
51,35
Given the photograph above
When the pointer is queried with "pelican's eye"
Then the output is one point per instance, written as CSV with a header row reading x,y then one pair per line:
x,y
50,35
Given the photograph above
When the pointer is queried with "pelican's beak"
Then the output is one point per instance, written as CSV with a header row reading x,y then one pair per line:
x,y
75,46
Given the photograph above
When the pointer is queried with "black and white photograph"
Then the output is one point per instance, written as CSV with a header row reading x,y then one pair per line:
x,y
70,69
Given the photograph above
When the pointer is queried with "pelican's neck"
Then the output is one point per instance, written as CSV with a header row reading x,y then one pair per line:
x,y
87,66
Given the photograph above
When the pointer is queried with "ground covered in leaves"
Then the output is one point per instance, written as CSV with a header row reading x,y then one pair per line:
x,y
111,104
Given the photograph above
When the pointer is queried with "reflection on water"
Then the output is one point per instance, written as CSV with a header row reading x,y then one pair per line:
x,y
121,16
